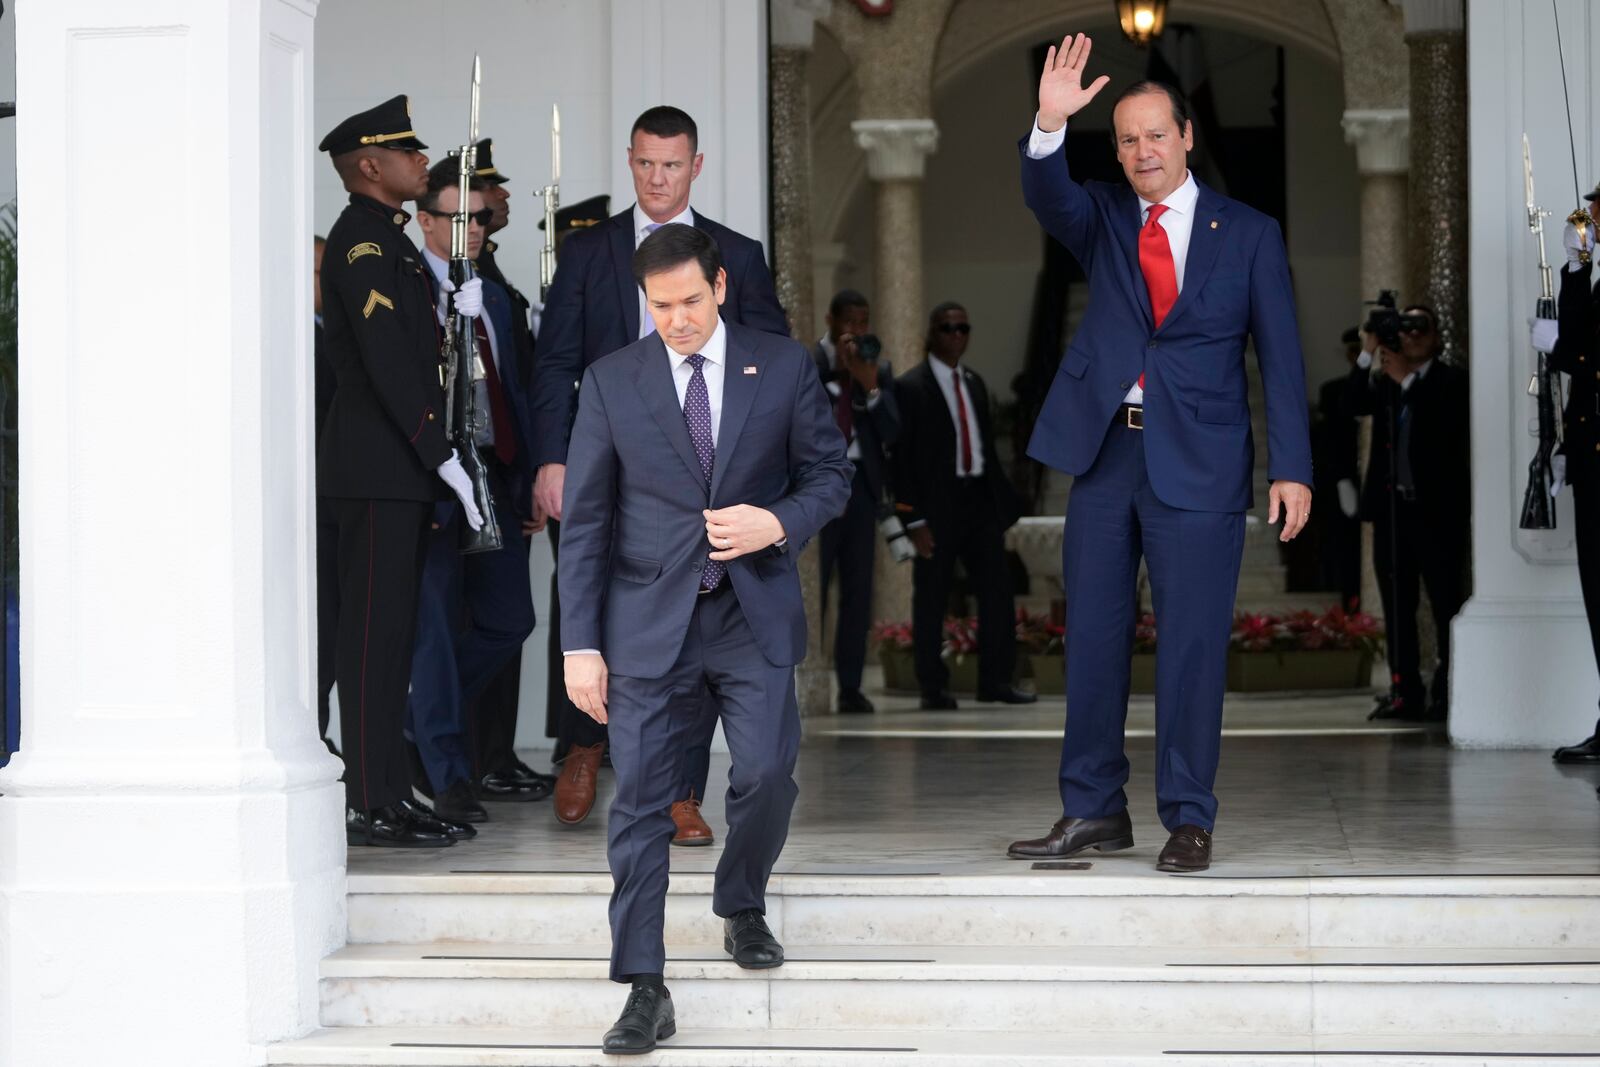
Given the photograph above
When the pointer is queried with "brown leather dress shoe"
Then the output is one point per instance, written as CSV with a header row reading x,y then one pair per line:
x,y
692,829
575,787
1188,849
1072,836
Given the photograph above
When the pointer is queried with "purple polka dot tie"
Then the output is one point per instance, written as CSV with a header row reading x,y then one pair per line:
x,y
697,414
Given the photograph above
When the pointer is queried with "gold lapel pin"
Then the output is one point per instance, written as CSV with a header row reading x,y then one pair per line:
x,y
1213,224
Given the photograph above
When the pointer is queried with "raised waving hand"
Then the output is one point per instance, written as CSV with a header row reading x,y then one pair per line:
x,y
1061,90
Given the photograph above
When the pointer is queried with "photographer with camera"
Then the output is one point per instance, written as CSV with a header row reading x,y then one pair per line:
x,y
1417,492
1575,351
860,382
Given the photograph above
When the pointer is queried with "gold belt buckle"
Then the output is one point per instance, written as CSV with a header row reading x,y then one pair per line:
x,y
1135,417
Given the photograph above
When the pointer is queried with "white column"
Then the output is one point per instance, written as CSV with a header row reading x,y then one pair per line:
x,y
1523,671
171,847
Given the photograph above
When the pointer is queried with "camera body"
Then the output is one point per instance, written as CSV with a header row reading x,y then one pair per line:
x,y
1386,323
868,347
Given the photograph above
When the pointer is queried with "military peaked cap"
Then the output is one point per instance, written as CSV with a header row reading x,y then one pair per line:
x,y
579,216
386,126
485,163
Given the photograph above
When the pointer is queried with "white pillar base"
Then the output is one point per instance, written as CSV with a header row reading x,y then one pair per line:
x,y
1522,674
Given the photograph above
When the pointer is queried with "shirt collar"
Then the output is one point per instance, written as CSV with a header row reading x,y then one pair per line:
x,y
941,370
641,220
440,267
715,351
1182,199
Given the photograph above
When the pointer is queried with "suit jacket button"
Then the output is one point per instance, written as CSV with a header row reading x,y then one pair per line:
x,y
694,566
430,416
1152,344
1124,386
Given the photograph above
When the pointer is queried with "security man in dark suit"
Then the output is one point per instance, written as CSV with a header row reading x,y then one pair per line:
x,y
1424,536
492,716
957,504
861,386
1575,350
594,308
383,460
475,610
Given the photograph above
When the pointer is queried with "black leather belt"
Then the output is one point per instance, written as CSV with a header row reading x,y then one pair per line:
x,y
1131,416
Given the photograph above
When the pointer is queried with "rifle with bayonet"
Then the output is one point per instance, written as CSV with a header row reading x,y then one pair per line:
x,y
551,195
464,417
1538,510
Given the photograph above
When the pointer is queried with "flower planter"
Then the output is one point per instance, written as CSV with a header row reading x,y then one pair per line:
x,y
1259,672
963,673
899,668
1143,675
1049,673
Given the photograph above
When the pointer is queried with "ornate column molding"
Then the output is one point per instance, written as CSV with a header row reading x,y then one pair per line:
x,y
1434,16
793,23
1381,137
897,149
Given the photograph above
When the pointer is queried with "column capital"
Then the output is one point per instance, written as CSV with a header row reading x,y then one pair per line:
x,y
896,148
1382,139
793,23
1434,16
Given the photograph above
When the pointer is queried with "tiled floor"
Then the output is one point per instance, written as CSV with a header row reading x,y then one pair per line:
x,y
1306,786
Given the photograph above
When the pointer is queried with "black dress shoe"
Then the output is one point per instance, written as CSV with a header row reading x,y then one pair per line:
x,y
1007,694
1188,849
425,818
522,770
510,786
939,700
457,804
854,702
747,938
1585,751
390,828
1072,836
645,1019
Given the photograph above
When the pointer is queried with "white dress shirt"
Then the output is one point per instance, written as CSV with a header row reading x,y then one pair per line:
x,y
644,226
1177,220
441,273
946,377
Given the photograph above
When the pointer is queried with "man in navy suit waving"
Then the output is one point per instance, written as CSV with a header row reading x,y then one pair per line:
x,y
594,308
1149,414
703,458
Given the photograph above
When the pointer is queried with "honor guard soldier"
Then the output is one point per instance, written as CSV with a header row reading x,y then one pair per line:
x,y
383,460
1574,348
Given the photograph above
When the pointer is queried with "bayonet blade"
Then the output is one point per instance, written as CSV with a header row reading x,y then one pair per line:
x,y
555,144
1527,172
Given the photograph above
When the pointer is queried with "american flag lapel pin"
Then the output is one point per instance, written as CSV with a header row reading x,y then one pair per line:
x,y
749,370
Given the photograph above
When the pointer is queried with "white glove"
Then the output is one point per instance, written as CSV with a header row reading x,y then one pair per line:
x,y
1348,499
469,298
1558,474
1575,244
1542,334
456,478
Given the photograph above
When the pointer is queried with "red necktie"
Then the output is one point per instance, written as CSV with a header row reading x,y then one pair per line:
x,y
966,434
843,413
505,445
1155,262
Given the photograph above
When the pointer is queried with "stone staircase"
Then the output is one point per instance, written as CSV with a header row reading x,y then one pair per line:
x,y
1031,968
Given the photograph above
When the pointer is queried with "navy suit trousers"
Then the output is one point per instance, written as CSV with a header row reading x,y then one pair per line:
x,y
1193,557
651,723
473,615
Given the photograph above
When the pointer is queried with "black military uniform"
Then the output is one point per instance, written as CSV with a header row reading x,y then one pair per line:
x,y
1577,353
381,444
521,307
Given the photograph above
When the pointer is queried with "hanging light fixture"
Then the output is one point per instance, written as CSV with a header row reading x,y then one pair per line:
x,y
1142,20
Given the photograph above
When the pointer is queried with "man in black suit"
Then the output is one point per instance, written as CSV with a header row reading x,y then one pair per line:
x,y
1576,352
383,460
594,308
861,386
957,504
1337,470
1421,404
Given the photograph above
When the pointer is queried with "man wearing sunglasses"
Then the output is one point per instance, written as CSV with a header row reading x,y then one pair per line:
x,y
1422,516
957,503
453,660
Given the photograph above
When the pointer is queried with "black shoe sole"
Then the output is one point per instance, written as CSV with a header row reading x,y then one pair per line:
x,y
1115,844
511,798
699,842
1173,868
661,1035
358,839
462,816
727,946
1577,761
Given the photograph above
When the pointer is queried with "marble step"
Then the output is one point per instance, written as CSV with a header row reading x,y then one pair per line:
x,y
919,989
697,1047
1022,908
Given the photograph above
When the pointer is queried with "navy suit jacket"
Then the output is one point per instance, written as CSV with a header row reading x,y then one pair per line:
x,y
593,310
633,539
1198,445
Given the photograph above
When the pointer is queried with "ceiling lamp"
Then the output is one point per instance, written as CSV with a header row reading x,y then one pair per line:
x,y
1142,20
